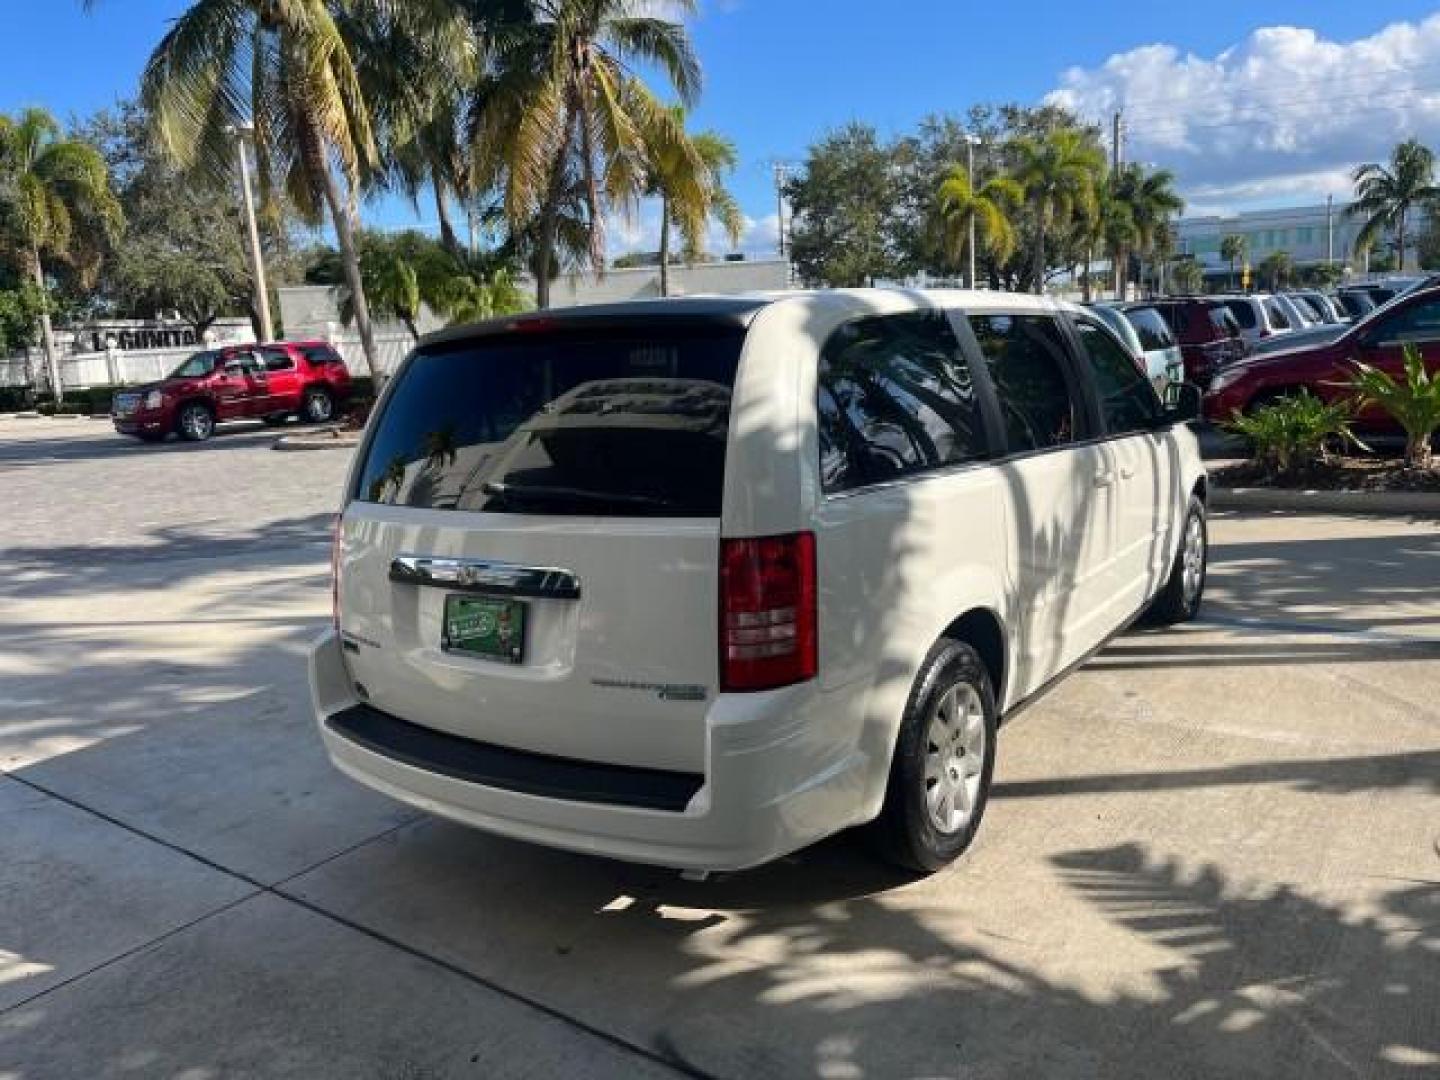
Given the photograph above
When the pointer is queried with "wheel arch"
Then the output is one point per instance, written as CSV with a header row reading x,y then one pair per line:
x,y
982,630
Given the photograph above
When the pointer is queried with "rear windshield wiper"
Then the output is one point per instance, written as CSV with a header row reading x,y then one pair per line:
x,y
547,491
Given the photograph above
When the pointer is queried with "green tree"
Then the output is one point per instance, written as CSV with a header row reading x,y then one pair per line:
x,y
1385,196
1059,174
1187,275
569,117
55,202
1276,270
1413,402
1149,196
1233,249
1106,224
185,246
962,208
845,204
689,180
294,70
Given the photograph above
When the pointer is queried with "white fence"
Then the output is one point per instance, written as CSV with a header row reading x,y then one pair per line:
x,y
80,371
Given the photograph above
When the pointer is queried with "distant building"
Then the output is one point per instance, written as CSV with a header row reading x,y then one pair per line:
x,y
1310,234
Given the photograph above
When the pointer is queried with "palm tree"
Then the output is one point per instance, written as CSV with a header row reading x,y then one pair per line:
x,y
960,207
1383,197
568,112
1059,174
1233,249
1276,268
1106,224
689,180
293,69
47,184
1150,197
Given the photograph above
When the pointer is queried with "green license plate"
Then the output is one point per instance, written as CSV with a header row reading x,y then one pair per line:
x,y
483,626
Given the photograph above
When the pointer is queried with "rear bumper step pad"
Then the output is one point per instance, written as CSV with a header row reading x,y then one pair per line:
x,y
513,770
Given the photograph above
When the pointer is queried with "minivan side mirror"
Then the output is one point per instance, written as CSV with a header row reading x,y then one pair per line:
x,y
1182,403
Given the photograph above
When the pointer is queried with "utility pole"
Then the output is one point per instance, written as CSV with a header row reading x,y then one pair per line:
x,y
1117,134
971,141
781,171
1329,230
257,259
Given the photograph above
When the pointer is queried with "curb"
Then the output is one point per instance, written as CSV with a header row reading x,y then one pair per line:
x,y
1422,503
318,441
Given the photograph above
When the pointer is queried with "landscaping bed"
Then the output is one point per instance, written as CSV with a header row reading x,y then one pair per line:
x,y
1337,474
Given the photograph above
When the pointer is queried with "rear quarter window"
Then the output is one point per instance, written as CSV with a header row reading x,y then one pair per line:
x,y
1244,313
1151,329
602,422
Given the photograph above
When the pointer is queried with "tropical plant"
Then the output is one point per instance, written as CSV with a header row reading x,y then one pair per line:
x,y
486,295
294,71
689,180
55,201
1149,196
1294,432
1187,275
1414,402
1276,269
1384,196
1233,248
1059,173
567,112
985,211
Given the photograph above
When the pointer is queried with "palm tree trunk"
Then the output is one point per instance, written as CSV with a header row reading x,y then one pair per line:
x,y
1039,262
340,214
47,333
550,218
664,246
1085,281
1122,270
449,239
1400,242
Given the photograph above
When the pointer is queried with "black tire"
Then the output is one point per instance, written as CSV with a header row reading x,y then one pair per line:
x,y
318,406
1179,601
195,422
907,832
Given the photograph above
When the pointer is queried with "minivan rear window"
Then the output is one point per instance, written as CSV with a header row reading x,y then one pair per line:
x,y
627,423
1151,329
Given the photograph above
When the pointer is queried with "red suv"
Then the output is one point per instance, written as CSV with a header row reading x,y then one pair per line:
x,y
1326,369
1209,336
242,382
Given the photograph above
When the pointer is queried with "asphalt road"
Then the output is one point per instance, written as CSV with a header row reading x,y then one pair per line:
x,y
1211,852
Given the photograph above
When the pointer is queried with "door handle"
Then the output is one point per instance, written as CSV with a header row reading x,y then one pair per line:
x,y
486,576
1104,479
1127,471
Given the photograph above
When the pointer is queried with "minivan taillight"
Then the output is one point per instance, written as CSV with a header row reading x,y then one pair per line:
x,y
768,634
335,573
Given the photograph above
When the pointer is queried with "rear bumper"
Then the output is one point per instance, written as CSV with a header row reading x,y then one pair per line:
x,y
767,790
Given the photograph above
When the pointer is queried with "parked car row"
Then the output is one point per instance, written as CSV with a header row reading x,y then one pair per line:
x,y
1324,365
270,382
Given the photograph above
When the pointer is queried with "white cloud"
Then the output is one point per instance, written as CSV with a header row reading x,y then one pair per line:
x,y
1283,116
640,231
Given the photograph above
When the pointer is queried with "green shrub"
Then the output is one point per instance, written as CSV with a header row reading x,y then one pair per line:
x,y
1414,404
1295,432
16,398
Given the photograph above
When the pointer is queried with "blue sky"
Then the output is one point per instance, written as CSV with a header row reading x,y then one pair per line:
x,y
780,72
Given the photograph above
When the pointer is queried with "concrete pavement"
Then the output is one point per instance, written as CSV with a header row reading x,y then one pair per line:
x,y
1213,851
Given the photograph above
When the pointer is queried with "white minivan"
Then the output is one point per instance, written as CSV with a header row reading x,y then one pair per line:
x,y
698,582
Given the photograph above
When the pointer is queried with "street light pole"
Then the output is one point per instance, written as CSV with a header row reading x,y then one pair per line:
x,y
970,141
257,260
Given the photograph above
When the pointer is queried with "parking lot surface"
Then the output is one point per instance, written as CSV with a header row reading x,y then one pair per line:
x,y
1213,851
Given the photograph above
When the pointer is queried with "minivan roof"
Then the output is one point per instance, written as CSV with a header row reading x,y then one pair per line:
x,y
736,310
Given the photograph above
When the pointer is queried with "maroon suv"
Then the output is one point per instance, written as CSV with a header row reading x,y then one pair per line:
x,y
1208,334
243,382
1326,369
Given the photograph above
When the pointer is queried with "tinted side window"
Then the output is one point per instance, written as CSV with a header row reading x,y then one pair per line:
x,y
896,397
1418,322
1126,398
277,360
1223,320
1174,315
1025,355
321,354
1150,328
1278,319
1244,313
